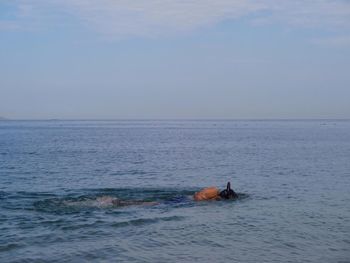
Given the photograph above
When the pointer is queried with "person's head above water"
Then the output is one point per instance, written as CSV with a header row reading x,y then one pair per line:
x,y
228,193
213,193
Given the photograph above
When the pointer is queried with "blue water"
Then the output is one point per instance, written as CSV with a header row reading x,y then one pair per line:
x,y
293,178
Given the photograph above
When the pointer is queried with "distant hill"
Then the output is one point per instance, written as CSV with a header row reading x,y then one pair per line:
x,y
3,119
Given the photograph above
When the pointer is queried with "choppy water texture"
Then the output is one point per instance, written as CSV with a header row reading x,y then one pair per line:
x,y
293,178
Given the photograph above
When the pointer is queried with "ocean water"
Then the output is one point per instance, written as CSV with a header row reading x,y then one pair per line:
x,y
293,180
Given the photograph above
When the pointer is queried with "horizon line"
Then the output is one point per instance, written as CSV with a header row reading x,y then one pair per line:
x,y
175,119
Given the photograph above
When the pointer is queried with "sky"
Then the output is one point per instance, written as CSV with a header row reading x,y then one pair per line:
x,y
175,59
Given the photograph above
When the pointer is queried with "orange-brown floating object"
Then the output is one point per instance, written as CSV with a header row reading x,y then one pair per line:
x,y
207,194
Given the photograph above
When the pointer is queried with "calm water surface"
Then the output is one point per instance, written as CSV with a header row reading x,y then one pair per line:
x,y
293,178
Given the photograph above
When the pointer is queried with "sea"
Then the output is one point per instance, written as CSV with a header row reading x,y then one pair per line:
x,y
292,178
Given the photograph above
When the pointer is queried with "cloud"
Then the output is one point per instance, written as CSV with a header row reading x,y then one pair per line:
x,y
9,25
145,17
317,13
123,18
336,41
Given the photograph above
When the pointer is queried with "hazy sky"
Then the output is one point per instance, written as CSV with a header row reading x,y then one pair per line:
x,y
174,59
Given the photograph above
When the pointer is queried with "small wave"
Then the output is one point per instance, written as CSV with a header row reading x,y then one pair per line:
x,y
242,196
3,195
8,247
72,201
70,205
143,221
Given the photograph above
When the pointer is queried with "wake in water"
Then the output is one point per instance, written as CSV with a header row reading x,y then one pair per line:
x,y
109,199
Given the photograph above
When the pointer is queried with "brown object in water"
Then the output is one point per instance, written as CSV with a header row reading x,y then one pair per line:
x,y
208,193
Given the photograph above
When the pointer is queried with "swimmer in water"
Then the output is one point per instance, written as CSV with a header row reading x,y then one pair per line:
x,y
209,193
213,193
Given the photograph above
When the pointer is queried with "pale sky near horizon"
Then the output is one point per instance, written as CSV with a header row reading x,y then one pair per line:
x,y
110,59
